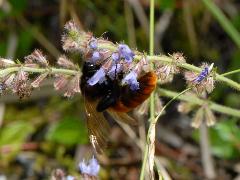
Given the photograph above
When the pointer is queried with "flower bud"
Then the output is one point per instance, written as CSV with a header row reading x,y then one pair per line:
x,y
198,118
65,62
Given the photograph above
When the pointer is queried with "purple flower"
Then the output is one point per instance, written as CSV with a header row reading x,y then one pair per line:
x,y
131,80
91,168
69,177
96,56
98,77
115,69
93,44
115,56
125,52
203,74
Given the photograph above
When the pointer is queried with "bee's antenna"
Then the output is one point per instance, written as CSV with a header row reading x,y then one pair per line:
x,y
116,72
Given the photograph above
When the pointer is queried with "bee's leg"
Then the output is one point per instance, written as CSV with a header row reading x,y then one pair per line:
x,y
107,101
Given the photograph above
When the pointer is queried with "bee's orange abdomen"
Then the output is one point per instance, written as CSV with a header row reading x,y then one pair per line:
x,y
130,99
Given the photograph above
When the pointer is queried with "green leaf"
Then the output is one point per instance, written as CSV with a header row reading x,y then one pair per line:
x,y
18,5
25,42
15,132
69,131
224,139
167,4
3,48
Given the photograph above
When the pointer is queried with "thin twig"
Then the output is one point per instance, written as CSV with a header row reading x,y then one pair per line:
x,y
141,16
197,101
160,28
130,24
207,159
39,37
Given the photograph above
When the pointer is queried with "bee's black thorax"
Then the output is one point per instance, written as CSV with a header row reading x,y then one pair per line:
x,y
107,92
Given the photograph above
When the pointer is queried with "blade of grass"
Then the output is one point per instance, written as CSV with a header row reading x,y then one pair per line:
x,y
223,21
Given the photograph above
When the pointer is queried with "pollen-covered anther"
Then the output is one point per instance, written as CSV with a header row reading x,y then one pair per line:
x,y
39,79
36,57
65,62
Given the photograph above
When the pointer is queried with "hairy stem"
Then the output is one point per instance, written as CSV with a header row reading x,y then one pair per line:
x,y
231,72
51,70
197,101
149,150
223,21
168,59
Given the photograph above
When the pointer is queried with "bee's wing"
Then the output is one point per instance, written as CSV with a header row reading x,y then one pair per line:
x,y
98,127
122,117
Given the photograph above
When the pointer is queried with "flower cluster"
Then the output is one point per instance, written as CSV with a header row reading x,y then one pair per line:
x,y
201,114
19,81
118,62
166,71
115,61
67,83
89,170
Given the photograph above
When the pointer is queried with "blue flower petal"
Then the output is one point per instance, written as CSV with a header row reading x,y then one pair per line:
x,y
125,52
69,177
115,69
115,57
91,169
93,44
98,77
84,168
131,80
96,56
94,167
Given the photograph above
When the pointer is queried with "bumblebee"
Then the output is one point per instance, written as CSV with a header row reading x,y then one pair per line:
x,y
111,97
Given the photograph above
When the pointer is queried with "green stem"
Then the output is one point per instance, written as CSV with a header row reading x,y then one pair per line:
x,y
197,101
152,104
9,70
187,66
169,102
223,20
231,72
